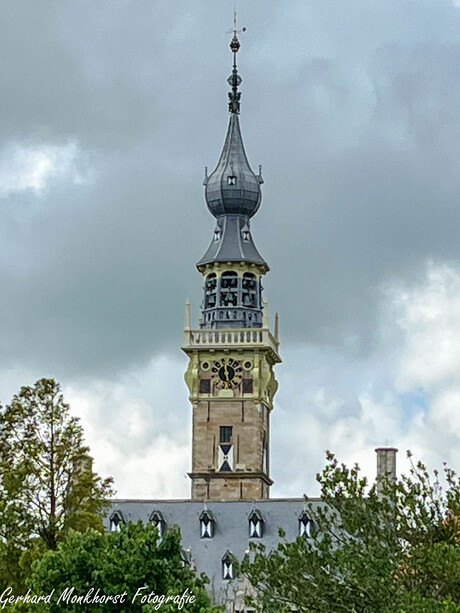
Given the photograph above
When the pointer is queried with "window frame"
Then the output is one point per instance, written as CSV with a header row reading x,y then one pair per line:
x,y
207,529
116,521
227,567
156,517
256,524
305,525
222,430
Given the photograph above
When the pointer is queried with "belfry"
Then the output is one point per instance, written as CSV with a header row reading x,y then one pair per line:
x,y
232,352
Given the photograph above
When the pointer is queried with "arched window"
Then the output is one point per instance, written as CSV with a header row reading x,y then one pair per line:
x,y
229,288
256,524
227,566
210,291
207,524
249,285
116,521
305,525
157,518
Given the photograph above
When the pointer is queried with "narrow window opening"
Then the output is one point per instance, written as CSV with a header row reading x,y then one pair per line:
x,y
227,566
210,291
249,286
157,518
116,521
305,525
207,524
229,288
226,434
225,455
256,524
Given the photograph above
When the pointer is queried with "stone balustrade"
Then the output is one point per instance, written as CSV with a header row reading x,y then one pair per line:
x,y
239,337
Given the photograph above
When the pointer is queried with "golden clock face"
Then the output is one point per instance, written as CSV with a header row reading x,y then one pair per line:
x,y
227,373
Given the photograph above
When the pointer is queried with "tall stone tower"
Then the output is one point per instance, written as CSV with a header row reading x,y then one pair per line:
x,y
232,353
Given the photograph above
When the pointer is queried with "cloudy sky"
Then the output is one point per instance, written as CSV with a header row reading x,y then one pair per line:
x,y
109,111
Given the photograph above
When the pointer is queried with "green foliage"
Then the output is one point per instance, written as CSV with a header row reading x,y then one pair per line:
x,y
394,548
118,563
47,484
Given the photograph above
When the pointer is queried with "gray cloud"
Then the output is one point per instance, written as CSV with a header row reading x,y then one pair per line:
x,y
352,109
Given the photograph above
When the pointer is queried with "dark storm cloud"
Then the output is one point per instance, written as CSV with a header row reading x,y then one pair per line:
x,y
353,109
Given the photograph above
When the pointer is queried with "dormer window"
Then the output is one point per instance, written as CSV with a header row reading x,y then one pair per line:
x,y
157,518
207,524
231,180
256,524
245,235
304,525
116,521
186,557
227,566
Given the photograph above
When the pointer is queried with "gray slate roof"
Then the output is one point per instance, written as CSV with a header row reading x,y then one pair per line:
x,y
231,529
231,246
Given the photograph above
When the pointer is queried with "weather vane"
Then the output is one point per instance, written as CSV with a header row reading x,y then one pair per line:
x,y
234,80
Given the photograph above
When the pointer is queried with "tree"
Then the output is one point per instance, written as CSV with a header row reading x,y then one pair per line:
x,y
388,549
47,485
120,563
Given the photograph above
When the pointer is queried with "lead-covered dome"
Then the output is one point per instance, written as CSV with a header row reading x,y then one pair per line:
x,y
233,188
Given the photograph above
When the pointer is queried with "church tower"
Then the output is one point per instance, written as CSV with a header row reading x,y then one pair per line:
x,y
232,353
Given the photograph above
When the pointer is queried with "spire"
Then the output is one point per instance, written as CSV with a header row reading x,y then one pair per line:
x,y
234,80
232,190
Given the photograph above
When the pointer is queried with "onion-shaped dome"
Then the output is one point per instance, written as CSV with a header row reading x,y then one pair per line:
x,y
233,188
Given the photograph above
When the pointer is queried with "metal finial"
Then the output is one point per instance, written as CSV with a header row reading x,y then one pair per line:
x,y
234,80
